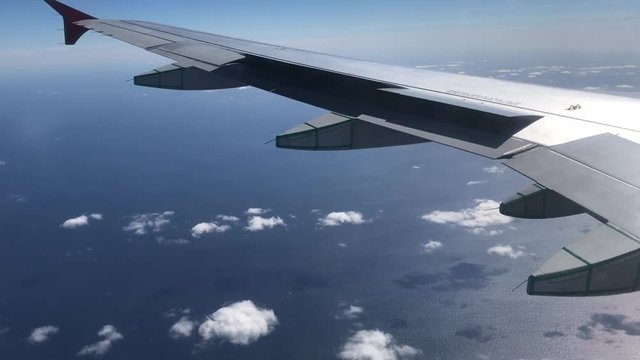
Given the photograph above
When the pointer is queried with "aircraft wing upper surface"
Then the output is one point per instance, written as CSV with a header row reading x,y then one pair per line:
x,y
575,146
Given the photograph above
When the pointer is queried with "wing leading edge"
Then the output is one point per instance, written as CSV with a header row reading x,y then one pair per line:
x,y
552,136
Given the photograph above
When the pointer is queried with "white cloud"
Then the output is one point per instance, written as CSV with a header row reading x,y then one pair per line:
x,y
482,231
256,211
415,167
351,312
609,67
342,217
258,223
342,245
174,312
80,221
375,345
228,218
142,224
432,246
207,228
18,198
240,323
505,250
624,86
109,335
495,169
591,88
478,182
183,328
484,214
42,334
76,222
3,163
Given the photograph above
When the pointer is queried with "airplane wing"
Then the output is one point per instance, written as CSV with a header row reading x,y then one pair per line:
x,y
578,148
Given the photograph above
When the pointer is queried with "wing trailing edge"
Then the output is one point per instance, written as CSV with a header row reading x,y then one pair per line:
x,y
338,132
604,262
72,31
188,76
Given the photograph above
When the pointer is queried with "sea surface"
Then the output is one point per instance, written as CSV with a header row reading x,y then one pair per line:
x,y
91,143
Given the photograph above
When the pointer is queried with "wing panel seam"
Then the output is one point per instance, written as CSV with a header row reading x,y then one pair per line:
x,y
138,32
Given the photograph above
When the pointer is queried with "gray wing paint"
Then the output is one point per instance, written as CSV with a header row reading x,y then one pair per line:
x,y
575,146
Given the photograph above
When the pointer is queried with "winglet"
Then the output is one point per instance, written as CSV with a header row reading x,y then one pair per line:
x,y
72,32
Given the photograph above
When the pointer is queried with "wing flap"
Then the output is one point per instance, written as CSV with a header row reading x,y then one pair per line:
x,y
340,132
183,61
418,129
203,52
604,262
599,174
186,76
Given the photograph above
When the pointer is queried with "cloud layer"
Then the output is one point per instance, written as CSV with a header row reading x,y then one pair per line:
x,y
76,222
208,228
80,221
342,217
352,312
259,223
375,345
109,335
432,246
494,169
42,334
142,224
505,250
228,218
476,182
240,323
484,214
256,211
183,328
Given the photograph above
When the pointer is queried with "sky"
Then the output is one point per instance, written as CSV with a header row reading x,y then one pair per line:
x,y
398,32
145,223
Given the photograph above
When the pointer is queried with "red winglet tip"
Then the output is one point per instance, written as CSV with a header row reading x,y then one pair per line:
x,y
68,13
72,32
